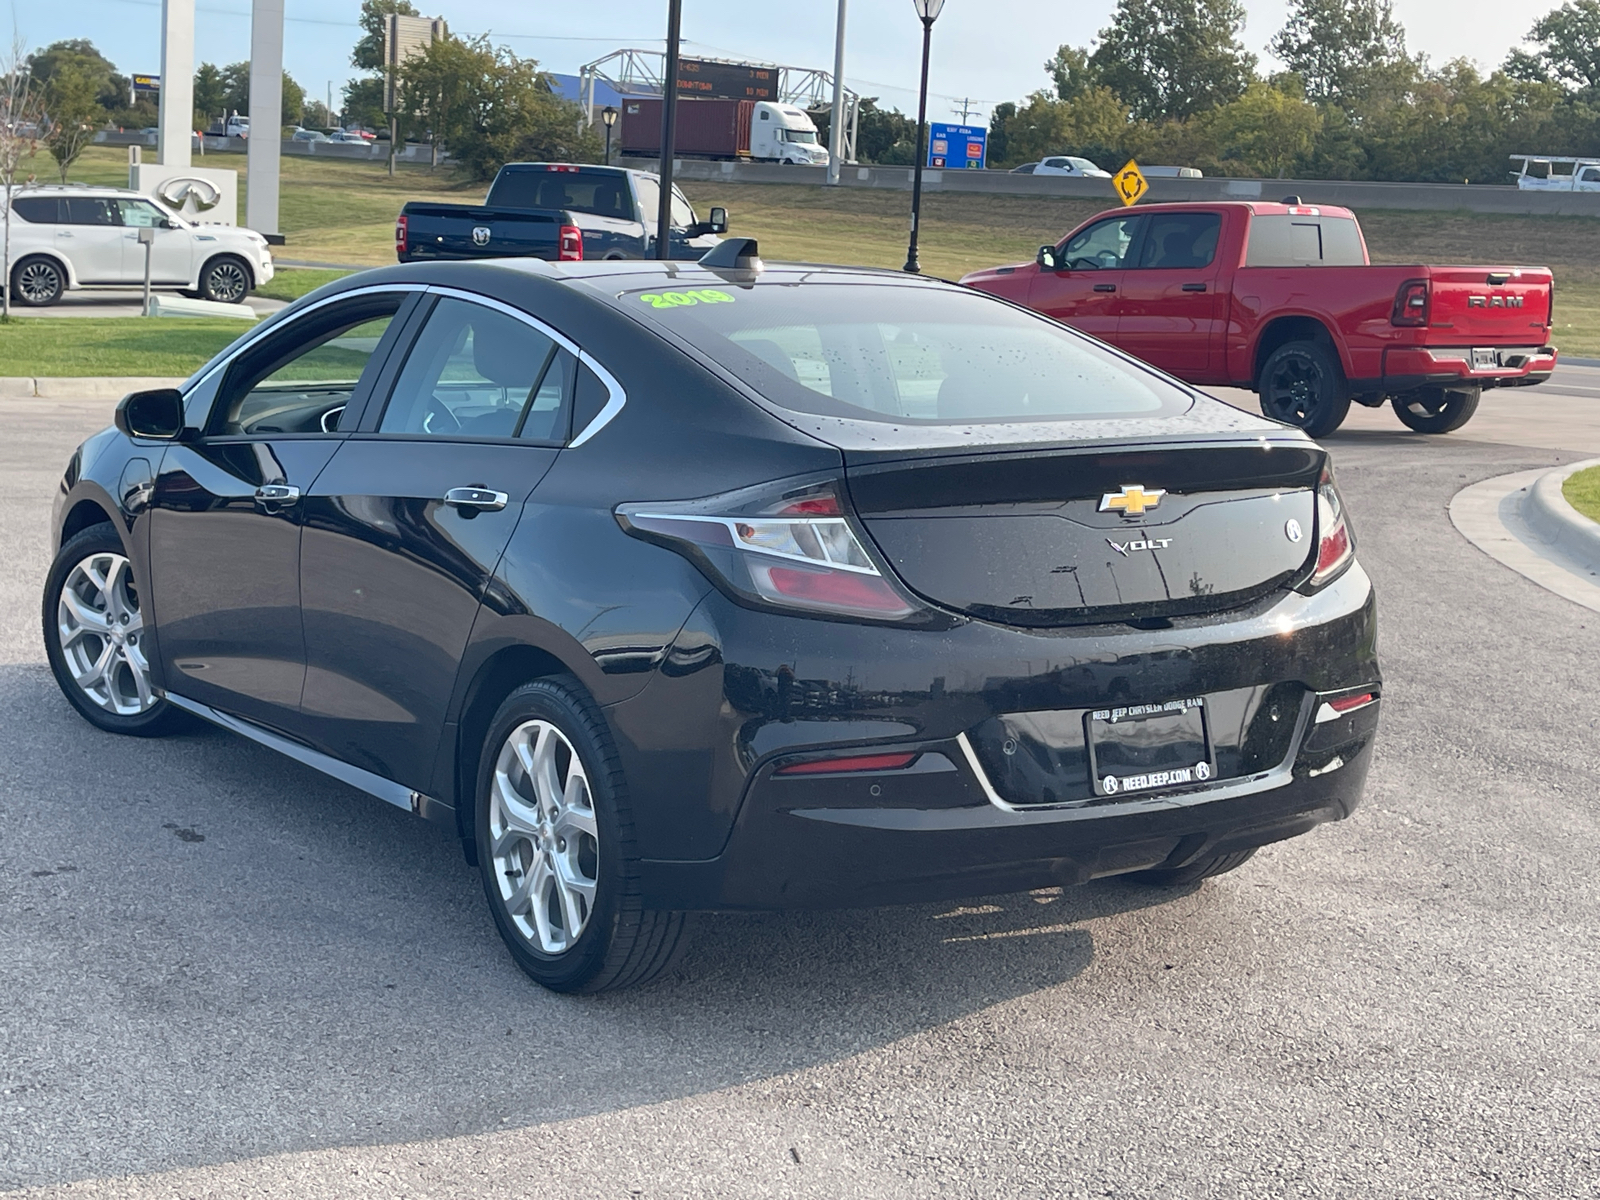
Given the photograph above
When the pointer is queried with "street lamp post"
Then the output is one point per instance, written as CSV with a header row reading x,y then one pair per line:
x,y
608,114
928,12
669,127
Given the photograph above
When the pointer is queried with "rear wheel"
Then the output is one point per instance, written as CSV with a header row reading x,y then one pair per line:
x,y
1203,868
556,846
1301,384
37,281
1436,410
225,279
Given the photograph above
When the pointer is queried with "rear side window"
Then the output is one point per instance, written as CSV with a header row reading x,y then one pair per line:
x,y
38,210
1291,241
1179,241
476,372
601,194
85,210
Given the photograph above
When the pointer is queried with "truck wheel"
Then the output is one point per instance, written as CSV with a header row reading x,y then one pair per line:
x,y
37,281
1436,410
1301,384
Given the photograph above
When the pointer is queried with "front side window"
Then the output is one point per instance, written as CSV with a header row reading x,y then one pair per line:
x,y
1103,246
302,378
898,353
140,214
1178,241
477,372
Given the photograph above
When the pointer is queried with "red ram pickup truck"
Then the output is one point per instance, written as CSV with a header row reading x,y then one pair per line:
x,y
1282,299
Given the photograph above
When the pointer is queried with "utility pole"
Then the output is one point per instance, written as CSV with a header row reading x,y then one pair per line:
x,y
669,128
836,121
966,109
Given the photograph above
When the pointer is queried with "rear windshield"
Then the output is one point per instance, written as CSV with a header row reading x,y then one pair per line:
x,y
1291,241
896,353
600,193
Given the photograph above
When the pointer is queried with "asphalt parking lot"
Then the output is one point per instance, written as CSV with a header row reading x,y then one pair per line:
x,y
224,975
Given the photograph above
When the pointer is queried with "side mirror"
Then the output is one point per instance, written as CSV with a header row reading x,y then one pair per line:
x,y
156,414
1047,259
719,220
166,223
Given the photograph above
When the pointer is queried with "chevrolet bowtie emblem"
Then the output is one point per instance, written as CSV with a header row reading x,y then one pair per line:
x,y
1132,501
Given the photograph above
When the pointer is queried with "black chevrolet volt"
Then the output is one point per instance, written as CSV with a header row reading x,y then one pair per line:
x,y
673,587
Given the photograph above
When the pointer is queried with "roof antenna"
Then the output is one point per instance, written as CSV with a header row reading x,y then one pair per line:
x,y
733,254
1292,200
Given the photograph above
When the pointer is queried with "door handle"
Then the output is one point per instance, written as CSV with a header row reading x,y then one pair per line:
x,y
1194,287
1105,287
277,493
476,499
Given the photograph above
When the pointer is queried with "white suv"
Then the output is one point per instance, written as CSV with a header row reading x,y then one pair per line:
x,y
87,237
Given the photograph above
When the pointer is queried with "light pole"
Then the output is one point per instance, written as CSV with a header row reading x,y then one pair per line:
x,y
669,127
608,114
836,121
928,12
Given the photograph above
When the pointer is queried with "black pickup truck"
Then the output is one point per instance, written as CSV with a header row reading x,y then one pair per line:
x,y
563,212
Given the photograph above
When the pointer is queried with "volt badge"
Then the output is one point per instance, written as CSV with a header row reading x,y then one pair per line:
x,y
1134,500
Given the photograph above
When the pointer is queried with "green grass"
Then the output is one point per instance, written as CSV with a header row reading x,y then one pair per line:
x,y
290,283
53,346
1583,492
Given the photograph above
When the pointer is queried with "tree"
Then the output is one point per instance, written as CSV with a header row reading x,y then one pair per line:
x,y
233,84
20,117
72,112
363,103
1568,41
999,139
1266,131
1342,49
1071,71
1095,122
210,95
1173,58
110,88
368,52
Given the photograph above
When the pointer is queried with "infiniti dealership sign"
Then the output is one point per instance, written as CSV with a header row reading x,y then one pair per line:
x,y
203,195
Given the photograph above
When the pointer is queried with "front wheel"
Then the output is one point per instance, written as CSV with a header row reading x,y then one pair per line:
x,y
96,637
225,280
1436,410
1301,384
556,846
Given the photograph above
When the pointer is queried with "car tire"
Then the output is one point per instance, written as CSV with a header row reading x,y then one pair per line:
x,y
95,636
1301,384
226,279
1201,868
37,281
1436,410
556,846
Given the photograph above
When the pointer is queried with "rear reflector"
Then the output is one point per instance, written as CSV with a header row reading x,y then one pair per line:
x,y
836,766
1340,706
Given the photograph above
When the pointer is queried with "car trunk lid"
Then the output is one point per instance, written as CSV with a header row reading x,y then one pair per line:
x,y
1072,536
1489,306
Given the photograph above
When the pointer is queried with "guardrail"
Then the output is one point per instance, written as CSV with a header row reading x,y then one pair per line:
x,y
1436,197
375,151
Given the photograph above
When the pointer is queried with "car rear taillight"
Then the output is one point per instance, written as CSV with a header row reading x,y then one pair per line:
x,y
1411,303
1335,545
790,547
400,232
571,244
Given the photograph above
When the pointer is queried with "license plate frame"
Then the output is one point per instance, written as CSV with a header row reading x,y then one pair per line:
x,y
1485,358
1174,736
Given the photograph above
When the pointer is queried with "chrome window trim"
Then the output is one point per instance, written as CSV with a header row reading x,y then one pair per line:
x,y
616,397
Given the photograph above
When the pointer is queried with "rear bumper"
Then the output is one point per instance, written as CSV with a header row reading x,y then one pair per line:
x,y
954,824
1407,368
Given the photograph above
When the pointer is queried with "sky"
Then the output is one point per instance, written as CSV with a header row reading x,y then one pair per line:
x,y
984,52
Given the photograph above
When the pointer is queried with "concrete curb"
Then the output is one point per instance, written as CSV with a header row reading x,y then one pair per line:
x,y
1490,515
1556,522
85,387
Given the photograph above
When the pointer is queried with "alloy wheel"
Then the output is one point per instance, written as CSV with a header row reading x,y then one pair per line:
x,y
227,282
543,836
1295,389
101,631
38,282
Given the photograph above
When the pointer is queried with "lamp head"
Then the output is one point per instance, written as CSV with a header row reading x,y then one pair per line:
x,y
608,114
928,10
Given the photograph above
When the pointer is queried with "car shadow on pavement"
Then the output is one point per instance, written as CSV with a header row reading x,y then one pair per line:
x,y
231,956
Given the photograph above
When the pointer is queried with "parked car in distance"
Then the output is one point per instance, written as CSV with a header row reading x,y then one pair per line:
x,y
310,135
348,137
1061,164
1283,299
1171,172
677,586
556,211
1025,169
71,236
